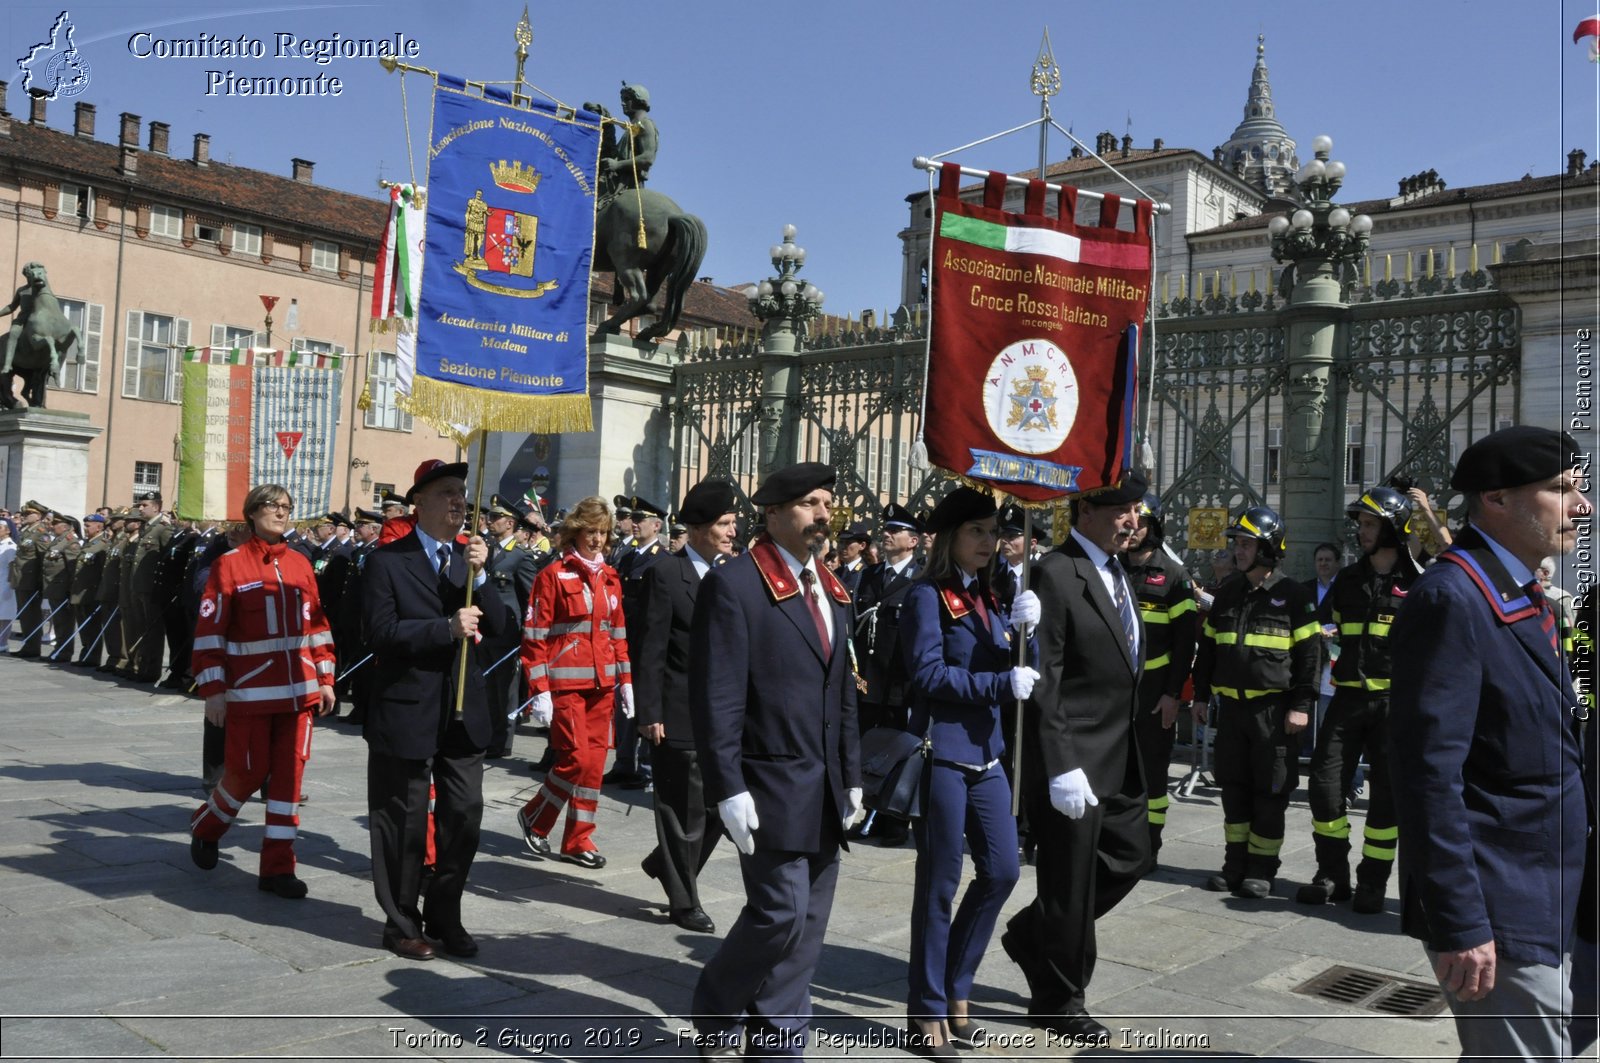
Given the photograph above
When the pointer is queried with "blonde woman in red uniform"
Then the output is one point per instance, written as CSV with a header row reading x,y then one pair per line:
x,y
263,661
575,651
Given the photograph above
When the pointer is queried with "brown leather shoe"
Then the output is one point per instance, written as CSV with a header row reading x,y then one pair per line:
x,y
409,948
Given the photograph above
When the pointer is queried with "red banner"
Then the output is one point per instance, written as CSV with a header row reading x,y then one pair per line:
x,y
1032,364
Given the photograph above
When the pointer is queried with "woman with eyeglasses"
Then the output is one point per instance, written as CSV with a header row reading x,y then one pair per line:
x,y
263,661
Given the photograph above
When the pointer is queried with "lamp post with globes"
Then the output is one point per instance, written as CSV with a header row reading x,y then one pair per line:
x,y
783,304
1320,243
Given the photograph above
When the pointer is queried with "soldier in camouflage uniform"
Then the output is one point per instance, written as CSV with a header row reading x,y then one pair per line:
x,y
128,634
88,615
27,576
56,567
148,615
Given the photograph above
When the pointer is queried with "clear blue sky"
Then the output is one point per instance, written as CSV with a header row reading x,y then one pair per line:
x,y
811,113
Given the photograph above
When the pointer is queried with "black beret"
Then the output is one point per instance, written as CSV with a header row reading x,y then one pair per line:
x,y
149,496
706,502
958,507
644,508
1131,488
856,533
1012,518
897,516
1515,456
793,482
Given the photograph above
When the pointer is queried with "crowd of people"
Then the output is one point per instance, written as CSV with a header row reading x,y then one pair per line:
x,y
734,673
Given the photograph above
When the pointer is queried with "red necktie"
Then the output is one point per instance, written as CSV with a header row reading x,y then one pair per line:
x,y
975,594
1547,614
808,581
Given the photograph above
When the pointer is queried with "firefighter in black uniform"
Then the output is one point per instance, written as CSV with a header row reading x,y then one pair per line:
x,y
1167,605
1361,606
1259,653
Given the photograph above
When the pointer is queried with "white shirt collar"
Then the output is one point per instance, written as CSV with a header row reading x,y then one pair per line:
x,y
1097,555
701,565
900,566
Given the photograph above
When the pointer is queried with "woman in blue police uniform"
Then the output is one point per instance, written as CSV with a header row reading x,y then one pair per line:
x,y
958,655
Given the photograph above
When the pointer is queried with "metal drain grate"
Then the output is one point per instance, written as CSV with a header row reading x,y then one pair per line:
x,y
1375,992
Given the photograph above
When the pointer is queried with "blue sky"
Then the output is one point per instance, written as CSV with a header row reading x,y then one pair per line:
x,y
811,113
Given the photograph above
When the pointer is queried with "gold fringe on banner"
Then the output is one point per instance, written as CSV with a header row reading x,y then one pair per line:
x,y
365,401
496,411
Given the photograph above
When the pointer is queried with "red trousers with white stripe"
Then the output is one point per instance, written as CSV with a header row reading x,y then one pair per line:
x,y
272,747
580,734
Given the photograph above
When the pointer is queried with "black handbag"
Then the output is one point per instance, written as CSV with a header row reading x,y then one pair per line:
x,y
892,763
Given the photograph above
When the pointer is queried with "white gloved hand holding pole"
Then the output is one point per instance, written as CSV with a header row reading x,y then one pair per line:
x,y
1022,680
1070,794
739,817
625,696
852,805
1025,610
542,710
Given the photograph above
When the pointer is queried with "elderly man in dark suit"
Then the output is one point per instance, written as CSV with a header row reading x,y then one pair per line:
x,y
1486,753
418,622
772,698
1081,768
660,629
511,573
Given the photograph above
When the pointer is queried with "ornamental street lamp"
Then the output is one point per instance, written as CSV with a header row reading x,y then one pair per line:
x,y
784,304
1319,241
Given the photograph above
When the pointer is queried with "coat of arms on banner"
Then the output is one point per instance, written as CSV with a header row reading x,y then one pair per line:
x,y
501,239
1030,396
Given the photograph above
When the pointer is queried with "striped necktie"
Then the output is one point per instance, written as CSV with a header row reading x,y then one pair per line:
x,y
1119,595
1547,614
443,554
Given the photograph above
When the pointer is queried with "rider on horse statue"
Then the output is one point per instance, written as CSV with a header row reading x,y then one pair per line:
x,y
39,339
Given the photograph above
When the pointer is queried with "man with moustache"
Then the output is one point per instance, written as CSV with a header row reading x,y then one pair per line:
x,y
416,618
1493,786
661,630
772,700
1081,771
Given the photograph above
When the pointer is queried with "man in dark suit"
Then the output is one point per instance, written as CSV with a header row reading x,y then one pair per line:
x,y
853,543
631,767
415,614
511,573
1081,769
1486,753
660,631
772,700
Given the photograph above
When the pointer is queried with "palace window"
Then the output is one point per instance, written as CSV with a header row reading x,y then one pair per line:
x,y
150,367
324,256
225,338
146,476
166,221
247,239
383,380
76,201
88,320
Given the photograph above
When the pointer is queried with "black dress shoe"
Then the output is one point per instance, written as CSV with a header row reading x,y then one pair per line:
x,y
286,886
1021,955
966,1033
917,1043
628,780
589,858
693,919
203,853
1079,1026
457,942
410,948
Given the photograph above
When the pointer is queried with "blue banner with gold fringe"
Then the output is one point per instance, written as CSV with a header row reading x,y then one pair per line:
x,y
502,339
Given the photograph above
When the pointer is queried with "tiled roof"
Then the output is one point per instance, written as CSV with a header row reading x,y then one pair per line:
x,y
1376,208
704,305
231,190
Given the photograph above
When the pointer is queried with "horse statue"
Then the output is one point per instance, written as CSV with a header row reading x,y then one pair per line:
x,y
39,340
641,236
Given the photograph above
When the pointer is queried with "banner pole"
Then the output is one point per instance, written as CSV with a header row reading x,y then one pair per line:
x,y
1022,659
472,573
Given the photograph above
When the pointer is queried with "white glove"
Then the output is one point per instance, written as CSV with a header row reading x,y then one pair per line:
x,y
1025,611
852,805
625,696
1022,680
542,710
1070,794
739,817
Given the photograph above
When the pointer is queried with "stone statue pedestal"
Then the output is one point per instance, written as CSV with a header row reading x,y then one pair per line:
x,y
44,455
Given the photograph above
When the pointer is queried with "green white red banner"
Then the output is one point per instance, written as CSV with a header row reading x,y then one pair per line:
x,y
253,416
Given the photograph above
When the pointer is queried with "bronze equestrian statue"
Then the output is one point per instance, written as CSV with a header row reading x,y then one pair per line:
x,y
641,236
39,340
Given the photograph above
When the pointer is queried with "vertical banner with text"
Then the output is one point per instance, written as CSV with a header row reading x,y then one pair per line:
x,y
502,325
246,424
1033,349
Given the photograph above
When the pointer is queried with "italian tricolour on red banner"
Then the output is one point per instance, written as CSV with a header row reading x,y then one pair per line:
x,y
1033,351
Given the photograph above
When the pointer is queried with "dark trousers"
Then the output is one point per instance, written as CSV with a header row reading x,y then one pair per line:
x,y
1084,867
503,683
397,803
146,632
111,621
1155,747
685,834
948,943
61,626
180,637
1356,723
30,622
761,976
91,620
633,752
1257,768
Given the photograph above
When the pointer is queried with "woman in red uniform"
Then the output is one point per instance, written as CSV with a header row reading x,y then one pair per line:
x,y
575,651
263,660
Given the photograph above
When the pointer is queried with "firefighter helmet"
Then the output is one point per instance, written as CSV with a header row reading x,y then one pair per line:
x,y
1389,506
1263,525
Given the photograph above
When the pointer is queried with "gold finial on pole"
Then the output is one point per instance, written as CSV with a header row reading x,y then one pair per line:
x,y
524,38
1046,74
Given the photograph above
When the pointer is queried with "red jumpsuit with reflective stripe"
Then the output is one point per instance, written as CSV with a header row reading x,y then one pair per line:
x,y
263,643
574,645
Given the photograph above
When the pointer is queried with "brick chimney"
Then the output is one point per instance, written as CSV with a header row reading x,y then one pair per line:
x,y
3,111
128,165
302,169
202,149
83,120
36,110
1158,145
160,132
1127,144
130,130
1105,143
1575,159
